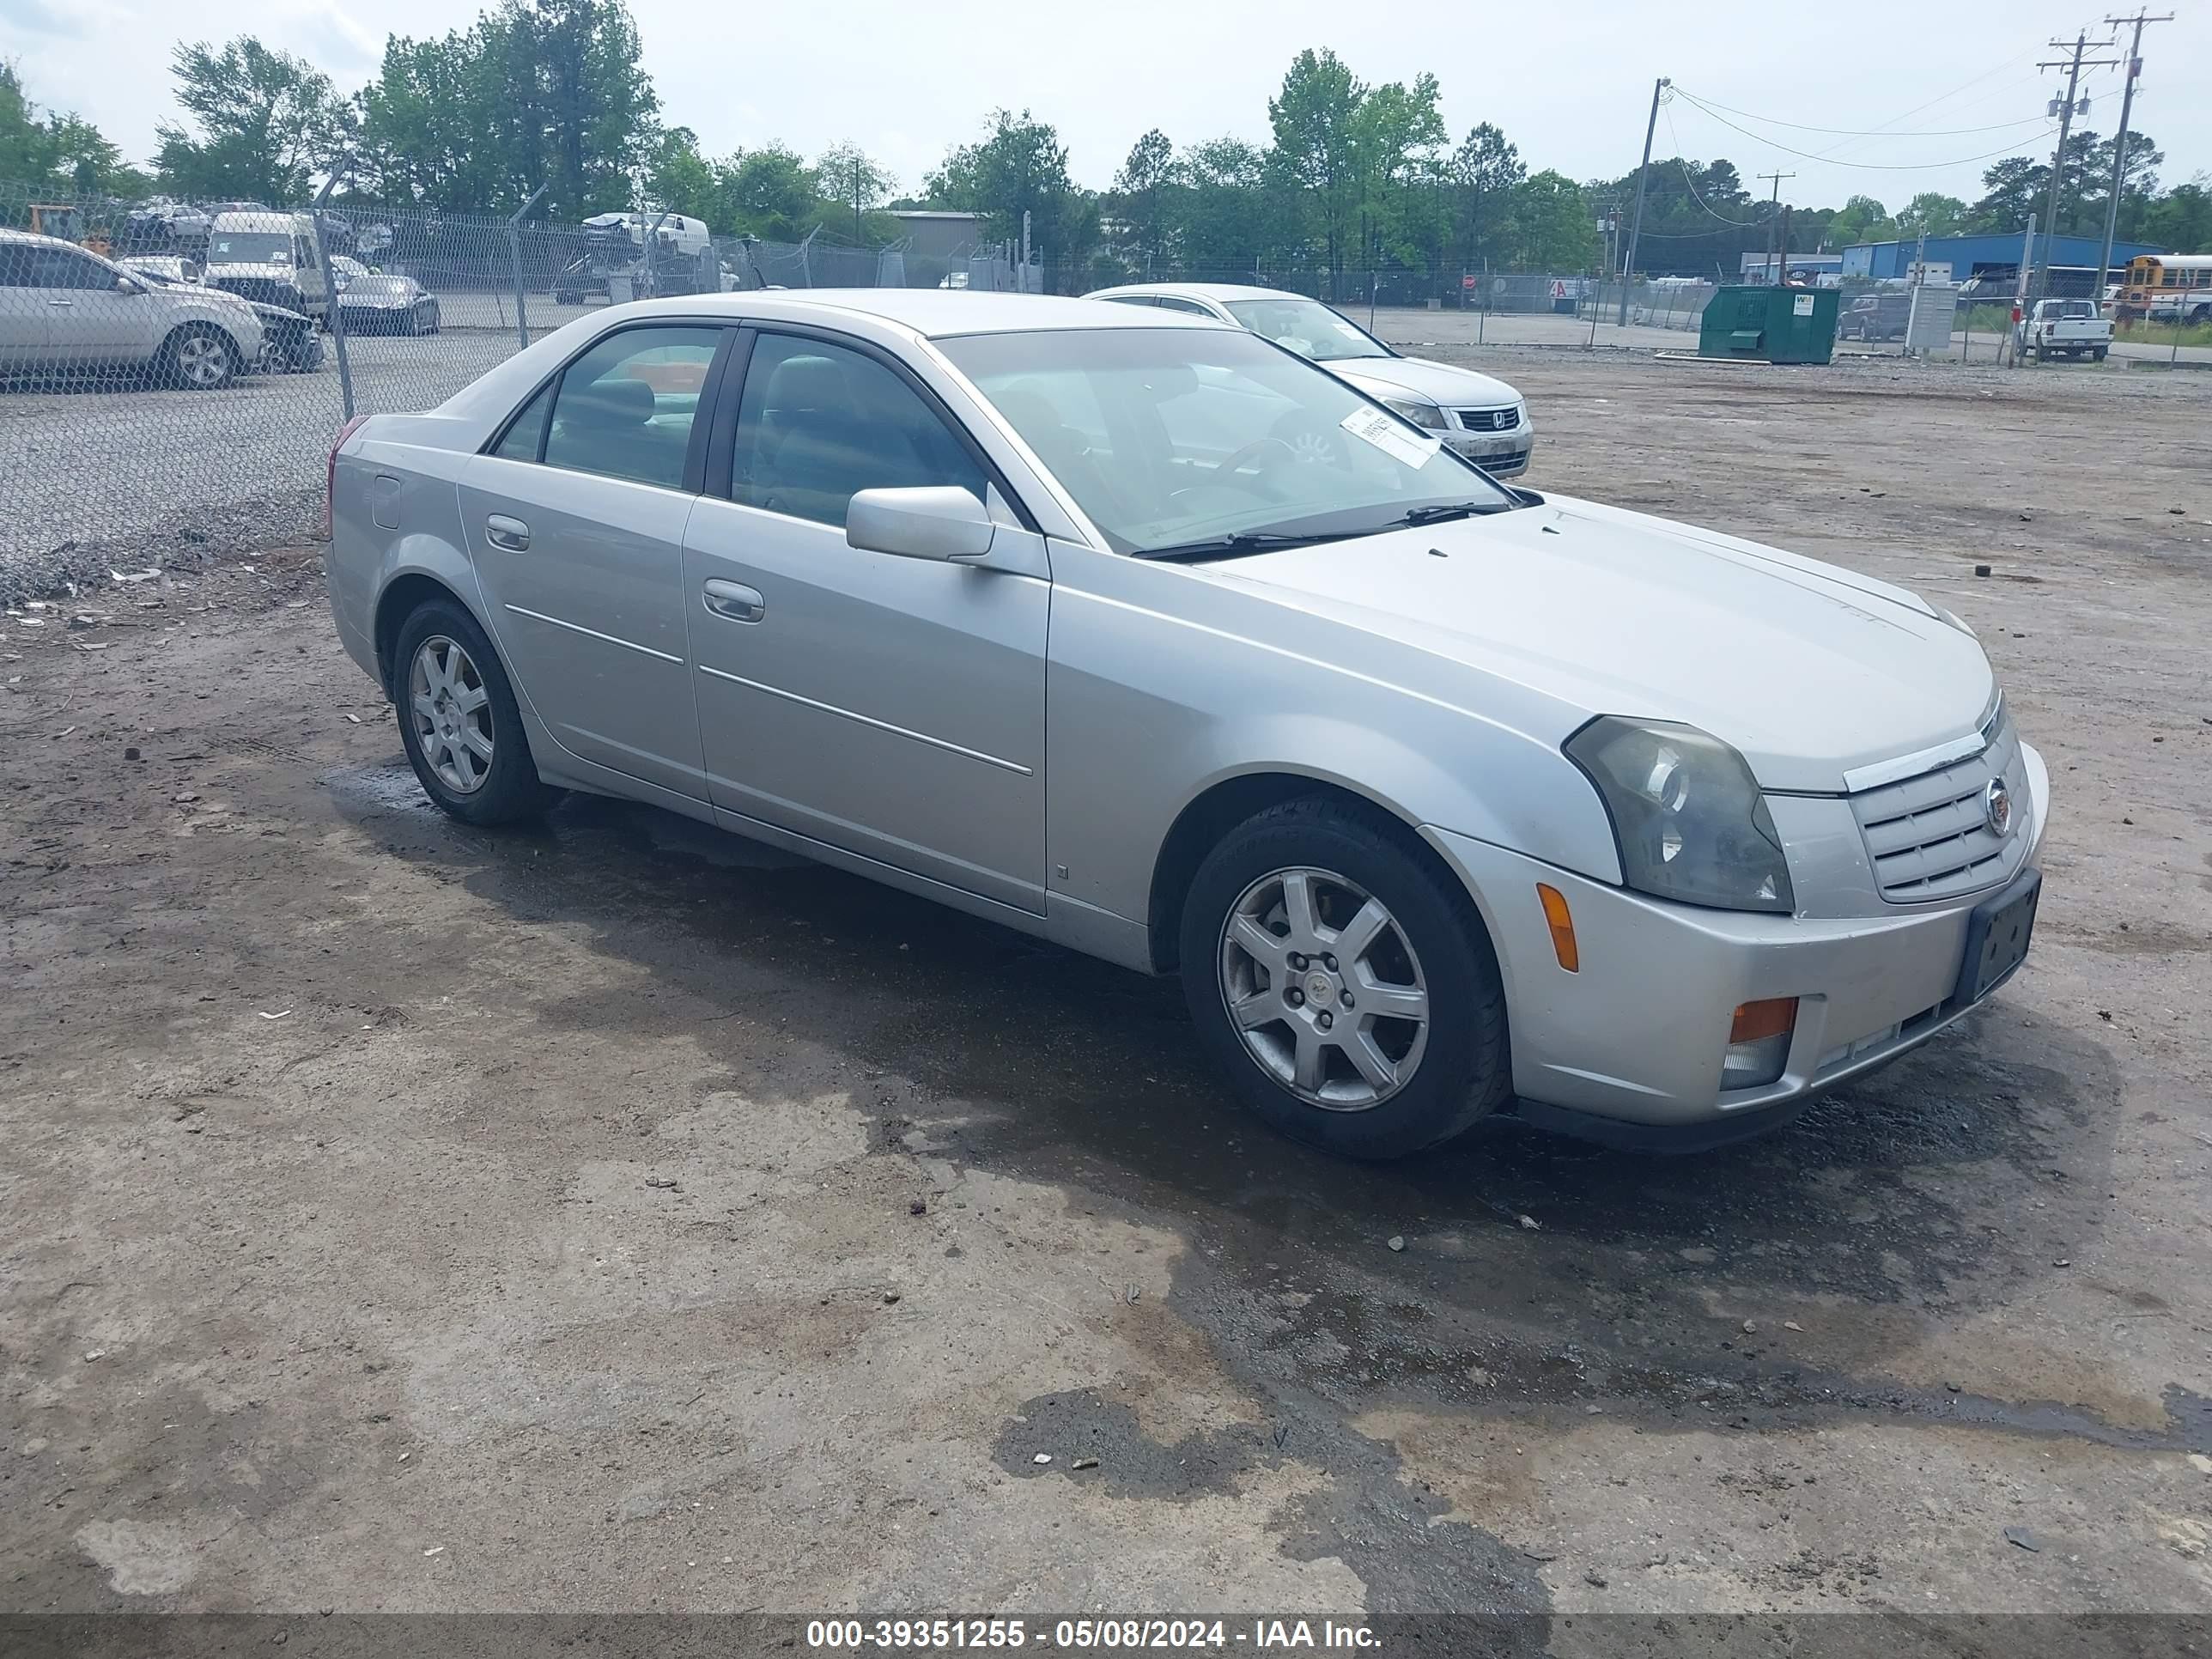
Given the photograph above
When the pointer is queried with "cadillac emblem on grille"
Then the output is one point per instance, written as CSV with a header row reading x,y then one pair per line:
x,y
1996,805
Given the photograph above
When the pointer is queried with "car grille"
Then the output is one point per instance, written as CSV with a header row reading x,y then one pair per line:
x,y
1929,836
1489,420
261,290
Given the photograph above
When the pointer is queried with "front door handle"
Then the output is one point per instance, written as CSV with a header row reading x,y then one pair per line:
x,y
61,302
512,534
736,601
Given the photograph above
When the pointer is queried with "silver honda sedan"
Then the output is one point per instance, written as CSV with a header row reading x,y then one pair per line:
x,y
1142,634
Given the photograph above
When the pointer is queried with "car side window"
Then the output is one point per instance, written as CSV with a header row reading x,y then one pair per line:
x,y
526,436
56,267
15,263
1130,299
625,408
819,422
1169,302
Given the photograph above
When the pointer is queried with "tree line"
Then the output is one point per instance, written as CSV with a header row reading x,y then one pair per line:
x,y
1352,176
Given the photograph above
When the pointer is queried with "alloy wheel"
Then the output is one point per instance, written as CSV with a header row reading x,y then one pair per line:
x,y
452,711
202,360
1321,983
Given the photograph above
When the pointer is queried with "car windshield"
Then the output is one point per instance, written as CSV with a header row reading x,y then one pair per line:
x,y
1307,327
1175,439
2077,308
250,248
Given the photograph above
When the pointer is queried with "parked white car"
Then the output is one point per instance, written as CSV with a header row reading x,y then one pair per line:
x,y
1473,414
65,310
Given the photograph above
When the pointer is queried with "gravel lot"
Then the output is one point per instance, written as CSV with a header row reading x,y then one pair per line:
x,y
615,1217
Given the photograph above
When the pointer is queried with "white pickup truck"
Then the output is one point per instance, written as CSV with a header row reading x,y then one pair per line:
x,y
2065,328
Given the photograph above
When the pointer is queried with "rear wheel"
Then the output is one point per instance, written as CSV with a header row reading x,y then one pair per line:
x,y
1348,996
199,358
459,722
2097,354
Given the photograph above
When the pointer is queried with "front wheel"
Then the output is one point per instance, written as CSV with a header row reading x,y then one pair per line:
x,y
459,722
1347,992
199,358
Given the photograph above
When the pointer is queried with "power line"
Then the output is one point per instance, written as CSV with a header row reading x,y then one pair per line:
x,y
1874,132
1869,166
1688,180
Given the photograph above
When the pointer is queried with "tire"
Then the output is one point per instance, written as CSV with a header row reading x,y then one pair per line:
x,y
1452,1068
198,357
509,789
2097,354
434,319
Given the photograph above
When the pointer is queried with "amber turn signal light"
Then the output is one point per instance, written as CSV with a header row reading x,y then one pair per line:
x,y
1561,921
1756,1021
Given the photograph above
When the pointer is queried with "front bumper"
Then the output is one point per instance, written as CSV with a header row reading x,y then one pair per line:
x,y
1501,454
1638,1034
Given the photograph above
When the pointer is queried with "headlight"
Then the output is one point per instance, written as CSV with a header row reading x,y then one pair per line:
x,y
1687,813
1420,413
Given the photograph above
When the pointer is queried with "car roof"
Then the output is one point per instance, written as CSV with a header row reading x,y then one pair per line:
x,y
36,241
1199,291
933,314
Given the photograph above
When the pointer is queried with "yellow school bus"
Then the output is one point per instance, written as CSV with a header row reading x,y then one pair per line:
x,y
2167,286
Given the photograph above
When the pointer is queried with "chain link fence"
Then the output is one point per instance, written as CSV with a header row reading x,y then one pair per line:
x,y
171,373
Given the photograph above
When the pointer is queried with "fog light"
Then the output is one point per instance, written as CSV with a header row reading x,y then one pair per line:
x,y
1758,1042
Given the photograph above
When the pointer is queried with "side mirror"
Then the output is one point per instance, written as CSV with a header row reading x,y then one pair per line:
x,y
129,285
939,521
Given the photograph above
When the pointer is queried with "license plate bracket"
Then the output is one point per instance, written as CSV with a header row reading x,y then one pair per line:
x,y
1997,935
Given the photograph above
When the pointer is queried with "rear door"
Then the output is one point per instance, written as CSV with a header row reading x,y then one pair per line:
x,y
575,519
25,337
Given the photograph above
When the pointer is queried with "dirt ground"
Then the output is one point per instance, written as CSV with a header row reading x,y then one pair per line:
x,y
614,1216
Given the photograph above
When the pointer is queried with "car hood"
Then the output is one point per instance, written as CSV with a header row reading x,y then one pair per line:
x,y
1808,670
1442,383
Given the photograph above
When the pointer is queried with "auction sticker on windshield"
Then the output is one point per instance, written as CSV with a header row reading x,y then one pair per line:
x,y
1405,448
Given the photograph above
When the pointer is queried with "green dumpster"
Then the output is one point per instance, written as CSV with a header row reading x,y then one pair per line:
x,y
1770,325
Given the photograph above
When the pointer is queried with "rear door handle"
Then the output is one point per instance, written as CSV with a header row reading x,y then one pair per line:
x,y
512,534
736,601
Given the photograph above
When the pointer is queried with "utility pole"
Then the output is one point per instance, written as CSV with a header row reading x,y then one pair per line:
x,y
2065,110
1636,224
1773,213
2120,143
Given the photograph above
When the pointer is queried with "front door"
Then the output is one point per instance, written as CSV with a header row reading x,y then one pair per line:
x,y
576,523
891,707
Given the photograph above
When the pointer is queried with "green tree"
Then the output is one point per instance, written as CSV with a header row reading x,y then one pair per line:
x,y
1553,228
1399,150
1861,219
769,192
1485,170
2180,222
56,153
1144,191
1931,213
266,123
679,179
592,99
1317,150
1019,166
856,181
1225,222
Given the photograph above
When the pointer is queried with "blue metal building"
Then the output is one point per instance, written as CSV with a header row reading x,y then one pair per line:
x,y
1968,256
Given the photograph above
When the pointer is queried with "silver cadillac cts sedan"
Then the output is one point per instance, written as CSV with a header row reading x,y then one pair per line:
x,y
1142,634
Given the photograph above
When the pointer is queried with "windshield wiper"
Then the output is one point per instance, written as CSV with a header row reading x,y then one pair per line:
x,y
1439,514
1243,541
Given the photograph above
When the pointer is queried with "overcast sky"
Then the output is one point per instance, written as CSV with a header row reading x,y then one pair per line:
x,y
1569,84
